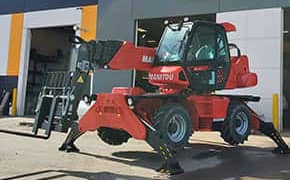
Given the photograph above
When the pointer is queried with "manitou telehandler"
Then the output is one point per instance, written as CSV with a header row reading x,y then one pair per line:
x,y
192,61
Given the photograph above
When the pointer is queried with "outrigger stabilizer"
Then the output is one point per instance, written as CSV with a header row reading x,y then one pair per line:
x,y
170,163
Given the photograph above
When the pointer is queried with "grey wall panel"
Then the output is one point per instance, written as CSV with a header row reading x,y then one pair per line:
x,y
284,3
8,82
231,5
161,8
13,6
148,8
8,6
33,5
115,20
105,80
5,24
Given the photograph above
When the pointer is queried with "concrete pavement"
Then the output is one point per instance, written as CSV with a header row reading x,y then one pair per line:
x,y
206,157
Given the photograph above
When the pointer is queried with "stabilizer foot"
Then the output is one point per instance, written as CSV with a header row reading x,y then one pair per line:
x,y
73,134
171,168
282,151
68,148
269,130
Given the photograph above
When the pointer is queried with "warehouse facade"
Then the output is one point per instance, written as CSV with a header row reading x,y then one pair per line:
x,y
262,34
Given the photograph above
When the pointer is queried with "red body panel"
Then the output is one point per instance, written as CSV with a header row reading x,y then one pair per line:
x,y
128,91
168,79
240,76
207,109
198,68
111,110
210,106
255,120
229,27
131,57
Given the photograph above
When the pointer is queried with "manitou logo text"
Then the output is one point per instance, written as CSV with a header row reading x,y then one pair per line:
x,y
147,59
161,77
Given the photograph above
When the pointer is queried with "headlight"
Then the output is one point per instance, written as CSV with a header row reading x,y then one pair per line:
x,y
86,99
130,101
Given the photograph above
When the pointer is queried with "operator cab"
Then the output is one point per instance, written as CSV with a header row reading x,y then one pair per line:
x,y
201,49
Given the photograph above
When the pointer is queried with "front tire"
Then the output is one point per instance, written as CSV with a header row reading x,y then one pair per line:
x,y
236,127
113,136
174,125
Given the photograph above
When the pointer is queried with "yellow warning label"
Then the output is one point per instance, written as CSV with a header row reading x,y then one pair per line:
x,y
80,80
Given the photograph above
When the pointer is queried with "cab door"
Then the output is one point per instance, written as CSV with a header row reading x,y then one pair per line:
x,y
207,57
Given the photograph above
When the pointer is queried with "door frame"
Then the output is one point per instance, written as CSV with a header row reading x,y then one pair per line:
x,y
34,20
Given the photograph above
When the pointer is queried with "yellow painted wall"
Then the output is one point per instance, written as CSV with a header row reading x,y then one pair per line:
x,y
89,22
15,44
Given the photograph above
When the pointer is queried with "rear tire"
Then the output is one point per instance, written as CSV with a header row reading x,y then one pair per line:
x,y
174,125
113,136
236,127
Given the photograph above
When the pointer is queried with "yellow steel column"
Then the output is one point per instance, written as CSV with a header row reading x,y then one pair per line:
x,y
15,43
275,111
14,97
89,22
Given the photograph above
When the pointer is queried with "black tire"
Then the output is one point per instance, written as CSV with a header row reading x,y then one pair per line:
x,y
237,125
113,136
164,123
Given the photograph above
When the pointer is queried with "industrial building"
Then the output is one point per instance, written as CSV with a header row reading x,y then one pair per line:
x,y
34,37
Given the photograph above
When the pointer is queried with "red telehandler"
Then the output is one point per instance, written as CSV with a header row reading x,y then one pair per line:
x,y
191,62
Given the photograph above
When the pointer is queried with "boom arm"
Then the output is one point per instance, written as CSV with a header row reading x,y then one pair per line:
x,y
116,55
131,57
123,55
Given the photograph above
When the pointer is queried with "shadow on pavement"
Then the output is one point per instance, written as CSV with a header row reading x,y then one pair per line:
x,y
214,161
241,162
150,160
46,175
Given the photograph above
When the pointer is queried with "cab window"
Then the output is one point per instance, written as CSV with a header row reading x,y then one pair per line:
x,y
203,44
222,52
